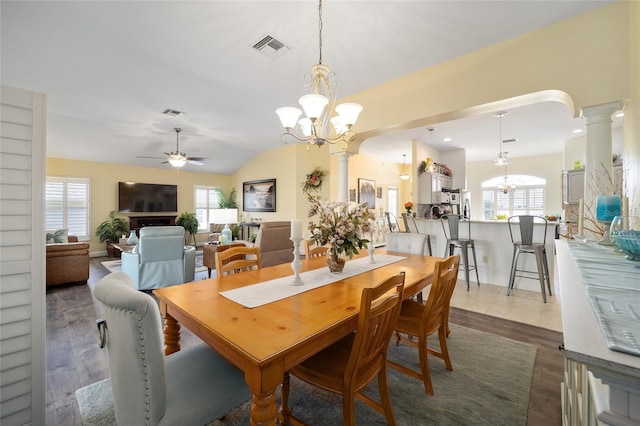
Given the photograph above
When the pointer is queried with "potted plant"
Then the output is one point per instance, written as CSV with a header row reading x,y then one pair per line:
x,y
111,230
228,202
189,221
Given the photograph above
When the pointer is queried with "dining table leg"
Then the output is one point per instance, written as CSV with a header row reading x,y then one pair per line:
x,y
171,334
263,409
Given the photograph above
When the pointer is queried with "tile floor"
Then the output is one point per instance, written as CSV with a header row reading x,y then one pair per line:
x,y
521,306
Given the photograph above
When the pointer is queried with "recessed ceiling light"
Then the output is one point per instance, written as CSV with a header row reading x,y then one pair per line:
x,y
447,139
576,131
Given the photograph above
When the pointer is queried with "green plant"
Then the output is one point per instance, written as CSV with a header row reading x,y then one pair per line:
x,y
189,221
113,228
228,202
235,231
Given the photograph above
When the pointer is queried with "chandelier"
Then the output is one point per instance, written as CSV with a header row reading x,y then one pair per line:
x,y
501,159
506,187
403,174
318,128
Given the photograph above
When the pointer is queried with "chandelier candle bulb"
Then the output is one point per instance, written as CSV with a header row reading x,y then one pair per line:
x,y
296,229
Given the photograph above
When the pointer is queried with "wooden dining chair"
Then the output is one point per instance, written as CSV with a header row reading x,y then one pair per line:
x,y
417,319
209,253
311,249
237,259
348,365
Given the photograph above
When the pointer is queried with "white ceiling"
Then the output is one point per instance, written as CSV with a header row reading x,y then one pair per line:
x,y
110,69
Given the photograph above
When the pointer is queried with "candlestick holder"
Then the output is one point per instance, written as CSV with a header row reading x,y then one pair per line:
x,y
371,249
296,265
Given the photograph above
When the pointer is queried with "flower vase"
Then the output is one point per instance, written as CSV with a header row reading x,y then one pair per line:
x,y
336,261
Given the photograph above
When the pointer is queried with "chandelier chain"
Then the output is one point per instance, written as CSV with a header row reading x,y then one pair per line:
x,y
320,31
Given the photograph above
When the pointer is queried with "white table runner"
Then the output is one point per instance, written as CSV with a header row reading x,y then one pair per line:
x,y
262,293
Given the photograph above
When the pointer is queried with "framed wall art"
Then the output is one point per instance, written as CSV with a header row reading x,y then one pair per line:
x,y
367,192
259,195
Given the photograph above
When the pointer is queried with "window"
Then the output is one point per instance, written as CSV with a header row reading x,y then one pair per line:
x,y
392,201
67,205
206,200
527,198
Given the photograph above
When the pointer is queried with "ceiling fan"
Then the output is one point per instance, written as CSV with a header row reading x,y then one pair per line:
x,y
178,159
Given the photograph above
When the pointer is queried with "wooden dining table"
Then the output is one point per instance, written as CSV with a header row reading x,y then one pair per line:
x,y
267,340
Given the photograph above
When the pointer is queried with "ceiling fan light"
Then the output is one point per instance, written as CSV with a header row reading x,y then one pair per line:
x,y
349,112
177,161
288,116
313,105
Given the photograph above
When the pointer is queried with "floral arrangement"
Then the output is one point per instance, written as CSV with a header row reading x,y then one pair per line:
x,y
408,206
340,224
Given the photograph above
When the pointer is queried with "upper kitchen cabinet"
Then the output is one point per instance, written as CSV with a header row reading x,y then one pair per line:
x,y
573,184
430,186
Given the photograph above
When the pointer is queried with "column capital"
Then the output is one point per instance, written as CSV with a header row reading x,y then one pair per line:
x,y
343,154
600,110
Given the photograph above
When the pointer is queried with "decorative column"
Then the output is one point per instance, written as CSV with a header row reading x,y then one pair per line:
x,y
343,175
598,177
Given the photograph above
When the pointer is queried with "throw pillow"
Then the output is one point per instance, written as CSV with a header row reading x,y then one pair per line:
x,y
57,236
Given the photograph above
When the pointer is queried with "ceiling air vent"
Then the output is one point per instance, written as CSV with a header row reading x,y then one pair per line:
x,y
510,140
173,112
270,46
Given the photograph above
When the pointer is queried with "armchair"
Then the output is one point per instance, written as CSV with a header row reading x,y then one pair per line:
x,y
160,259
274,243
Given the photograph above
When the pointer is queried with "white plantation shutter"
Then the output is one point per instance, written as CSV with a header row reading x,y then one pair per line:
x,y
488,204
536,201
22,257
68,205
206,200
523,200
519,203
503,203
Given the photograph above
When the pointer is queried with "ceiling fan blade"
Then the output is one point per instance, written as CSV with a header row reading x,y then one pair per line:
x,y
155,158
199,159
195,162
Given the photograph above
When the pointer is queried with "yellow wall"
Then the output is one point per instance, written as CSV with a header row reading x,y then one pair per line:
x,y
104,186
631,127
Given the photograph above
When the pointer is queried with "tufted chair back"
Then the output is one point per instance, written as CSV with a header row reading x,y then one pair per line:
x,y
136,351
406,242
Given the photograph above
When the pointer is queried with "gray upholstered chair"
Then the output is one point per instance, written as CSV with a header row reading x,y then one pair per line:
x,y
274,243
160,259
407,242
191,387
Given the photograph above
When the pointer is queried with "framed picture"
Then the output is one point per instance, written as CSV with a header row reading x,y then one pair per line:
x,y
367,192
259,195
352,195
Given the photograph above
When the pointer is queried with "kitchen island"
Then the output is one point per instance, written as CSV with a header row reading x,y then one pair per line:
x,y
494,250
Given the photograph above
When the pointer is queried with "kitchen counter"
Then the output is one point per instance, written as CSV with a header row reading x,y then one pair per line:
x,y
494,250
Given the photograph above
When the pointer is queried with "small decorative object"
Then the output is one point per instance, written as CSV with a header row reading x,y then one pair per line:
x,y
625,234
408,206
340,225
296,237
371,249
226,236
314,180
133,239
607,207
576,165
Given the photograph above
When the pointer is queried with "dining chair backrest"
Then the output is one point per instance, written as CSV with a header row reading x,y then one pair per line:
x,y
445,276
526,229
237,259
392,221
312,249
452,230
379,311
404,242
409,223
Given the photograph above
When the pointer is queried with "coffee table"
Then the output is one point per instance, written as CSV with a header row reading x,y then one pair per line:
x,y
120,248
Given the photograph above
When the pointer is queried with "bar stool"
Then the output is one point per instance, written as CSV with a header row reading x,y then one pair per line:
x,y
526,244
392,222
411,226
452,234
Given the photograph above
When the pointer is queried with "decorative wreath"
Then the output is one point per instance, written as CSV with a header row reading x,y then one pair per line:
x,y
314,180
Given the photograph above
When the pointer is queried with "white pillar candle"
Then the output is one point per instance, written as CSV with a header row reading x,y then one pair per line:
x,y
580,216
625,213
296,229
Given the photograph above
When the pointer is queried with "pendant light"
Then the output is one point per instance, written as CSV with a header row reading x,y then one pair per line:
x,y
403,174
501,159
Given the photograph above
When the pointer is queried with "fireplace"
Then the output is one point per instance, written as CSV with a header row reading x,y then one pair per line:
x,y
137,222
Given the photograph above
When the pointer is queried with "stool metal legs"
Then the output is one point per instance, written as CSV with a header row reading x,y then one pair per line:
x,y
542,265
464,249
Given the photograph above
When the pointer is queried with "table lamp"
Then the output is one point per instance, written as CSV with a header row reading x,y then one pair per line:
x,y
225,216
607,207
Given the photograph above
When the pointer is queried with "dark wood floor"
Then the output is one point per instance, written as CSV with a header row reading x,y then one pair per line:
x,y
74,359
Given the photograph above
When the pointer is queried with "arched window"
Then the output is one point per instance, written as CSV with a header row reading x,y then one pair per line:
x,y
526,198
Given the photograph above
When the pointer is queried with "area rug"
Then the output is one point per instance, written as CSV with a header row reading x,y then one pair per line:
x,y
201,271
490,384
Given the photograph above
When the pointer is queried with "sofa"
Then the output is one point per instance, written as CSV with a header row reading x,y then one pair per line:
x,y
274,243
67,262
160,259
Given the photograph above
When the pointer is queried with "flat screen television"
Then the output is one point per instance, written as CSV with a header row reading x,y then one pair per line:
x,y
147,198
